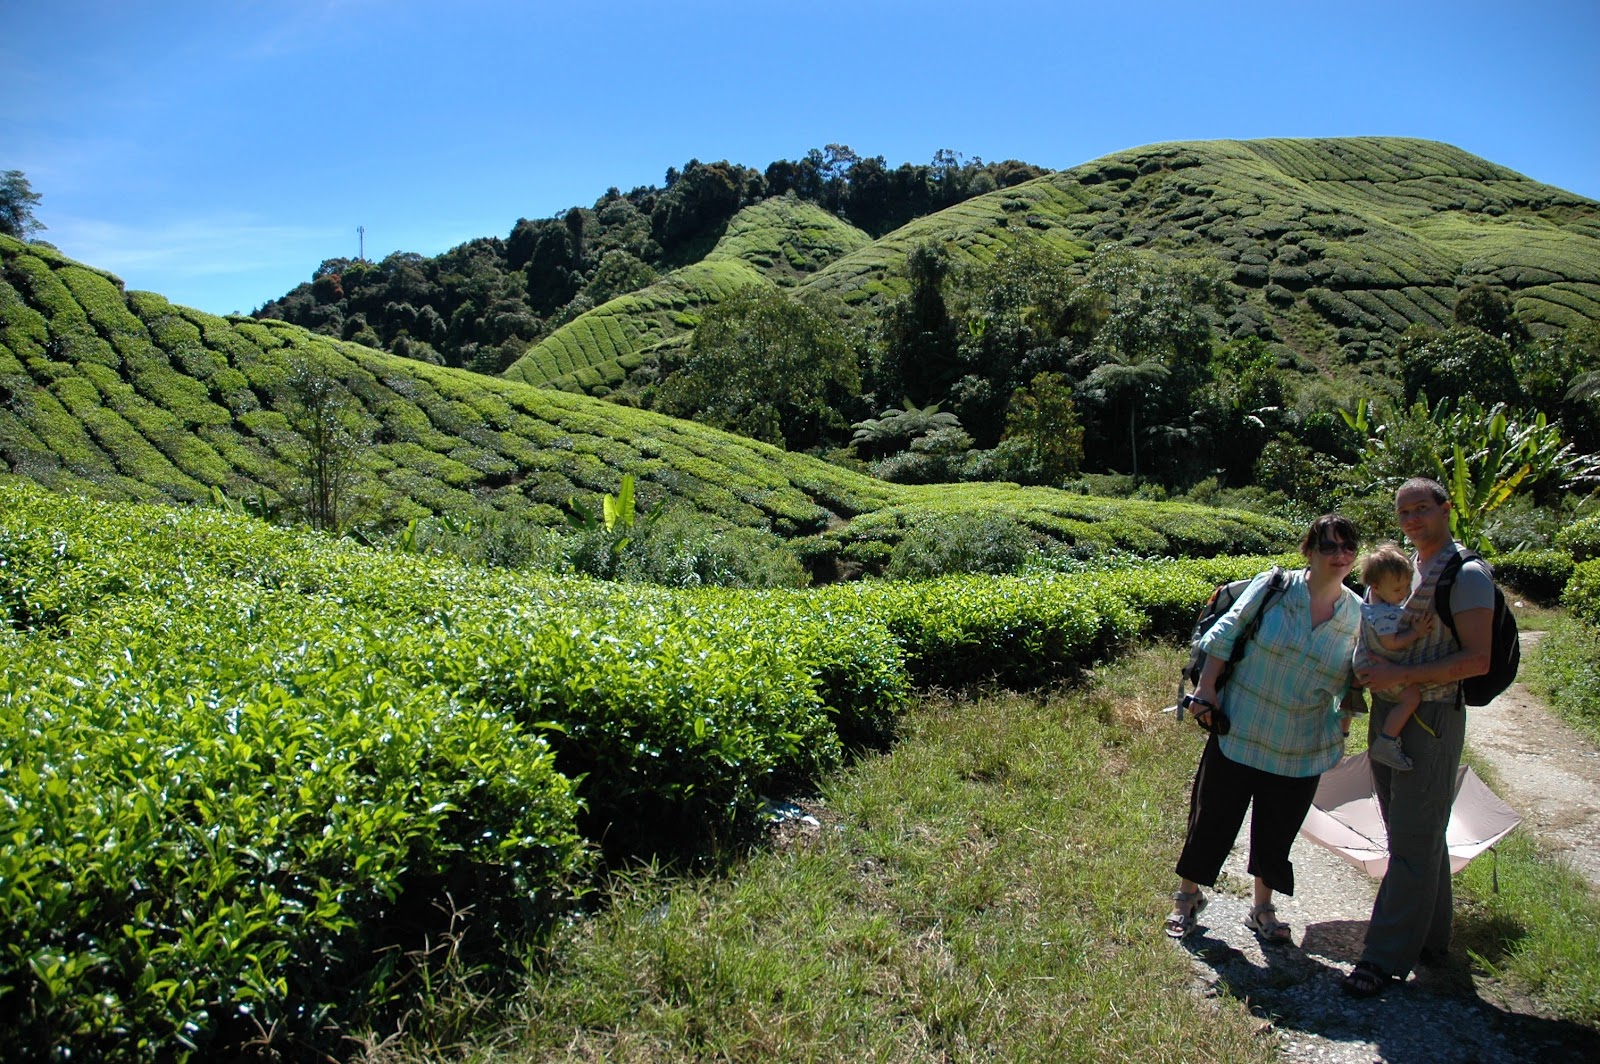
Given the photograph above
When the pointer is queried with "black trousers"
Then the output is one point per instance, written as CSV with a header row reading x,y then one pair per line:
x,y
1222,790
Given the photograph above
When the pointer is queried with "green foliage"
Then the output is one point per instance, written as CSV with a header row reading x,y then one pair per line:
x,y
897,429
1461,362
1582,594
768,367
947,544
916,359
319,407
1581,539
17,201
1482,457
681,550
1565,671
1043,435
1541,575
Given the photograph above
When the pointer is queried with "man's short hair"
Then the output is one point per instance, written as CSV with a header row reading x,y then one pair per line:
x,y
1427,484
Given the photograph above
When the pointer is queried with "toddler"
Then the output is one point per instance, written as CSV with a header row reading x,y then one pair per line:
x,y
1392,618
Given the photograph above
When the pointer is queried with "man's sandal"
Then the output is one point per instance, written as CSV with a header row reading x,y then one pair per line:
x,y
1184,916
1263,920
1366,980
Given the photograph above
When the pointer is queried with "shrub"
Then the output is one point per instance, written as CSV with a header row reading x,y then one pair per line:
x,y
681,550
1582,593
1541,575
1581,539
962,542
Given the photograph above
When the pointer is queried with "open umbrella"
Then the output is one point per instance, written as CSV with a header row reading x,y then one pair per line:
x,y
1344,817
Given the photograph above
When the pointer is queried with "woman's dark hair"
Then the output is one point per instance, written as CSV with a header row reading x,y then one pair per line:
x,y
1336,528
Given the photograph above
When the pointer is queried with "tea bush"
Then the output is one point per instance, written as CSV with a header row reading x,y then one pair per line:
x,y
1582,593
967,542
1541,575
246,771
1581,539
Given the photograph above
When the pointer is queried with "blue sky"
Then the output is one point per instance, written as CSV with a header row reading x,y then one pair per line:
x,y
217,152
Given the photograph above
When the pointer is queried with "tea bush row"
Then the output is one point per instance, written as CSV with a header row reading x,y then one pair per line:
x,y
243,765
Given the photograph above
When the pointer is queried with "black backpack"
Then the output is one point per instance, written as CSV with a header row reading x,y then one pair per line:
x,y
1505,652
1222,600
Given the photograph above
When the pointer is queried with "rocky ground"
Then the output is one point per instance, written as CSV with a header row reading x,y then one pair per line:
x,y
1452,1013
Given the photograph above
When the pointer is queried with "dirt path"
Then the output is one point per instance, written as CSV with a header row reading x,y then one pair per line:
x,y
1453,1013
1546,771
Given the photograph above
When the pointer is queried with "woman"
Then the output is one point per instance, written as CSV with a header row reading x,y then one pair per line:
x,y
1276,726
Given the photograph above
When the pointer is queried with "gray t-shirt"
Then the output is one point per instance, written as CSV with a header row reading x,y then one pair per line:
x,y
1474,589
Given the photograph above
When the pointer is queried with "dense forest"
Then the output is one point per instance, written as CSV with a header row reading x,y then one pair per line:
x,y
479,305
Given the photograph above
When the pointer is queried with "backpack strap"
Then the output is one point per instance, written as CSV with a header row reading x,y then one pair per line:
x,y
1447,584
1277,584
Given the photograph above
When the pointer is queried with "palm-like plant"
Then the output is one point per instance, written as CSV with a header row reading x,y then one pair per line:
x,y
1132,376
896,429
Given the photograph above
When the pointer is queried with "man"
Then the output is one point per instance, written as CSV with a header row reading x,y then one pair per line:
x,y
1411,917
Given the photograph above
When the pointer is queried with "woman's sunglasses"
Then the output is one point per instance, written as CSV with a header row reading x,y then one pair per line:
x,y
1330,547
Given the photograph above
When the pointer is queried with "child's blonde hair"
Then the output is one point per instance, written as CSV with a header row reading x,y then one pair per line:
x,y
1386,559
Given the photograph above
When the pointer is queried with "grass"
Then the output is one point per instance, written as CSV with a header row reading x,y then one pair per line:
x,y
1564,670
990,889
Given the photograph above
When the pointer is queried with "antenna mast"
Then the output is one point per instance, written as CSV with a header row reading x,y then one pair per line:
x,y
361,231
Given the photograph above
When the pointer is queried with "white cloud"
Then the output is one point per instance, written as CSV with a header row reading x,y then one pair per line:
x,y
191,247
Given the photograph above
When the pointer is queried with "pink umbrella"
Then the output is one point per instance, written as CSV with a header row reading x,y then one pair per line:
x,y
1344,817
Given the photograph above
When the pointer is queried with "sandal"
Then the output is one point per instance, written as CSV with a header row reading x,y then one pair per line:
x,y
1366,980
1263,920
1184,916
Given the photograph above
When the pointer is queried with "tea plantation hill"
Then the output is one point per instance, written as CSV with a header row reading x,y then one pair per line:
x,y
124,396
778,242
1334,247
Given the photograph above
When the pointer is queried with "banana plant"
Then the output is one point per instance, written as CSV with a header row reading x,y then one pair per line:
x,y
1481,457
616,516
1493,453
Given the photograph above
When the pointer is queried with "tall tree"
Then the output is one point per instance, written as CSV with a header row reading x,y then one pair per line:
x,y
1153,341
1042,425
318,405
766,366
917,355
17,200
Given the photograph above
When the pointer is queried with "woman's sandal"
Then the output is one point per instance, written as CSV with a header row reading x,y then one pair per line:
x,y
1186,911
1263,920
1366,980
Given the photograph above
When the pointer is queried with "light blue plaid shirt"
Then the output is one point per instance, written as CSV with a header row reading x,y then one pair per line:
x,y
1282,698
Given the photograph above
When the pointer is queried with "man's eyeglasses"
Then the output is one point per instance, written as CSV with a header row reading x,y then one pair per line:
x,y
1331,547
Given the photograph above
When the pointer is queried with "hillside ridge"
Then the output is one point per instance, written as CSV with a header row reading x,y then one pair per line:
x,y
1328,279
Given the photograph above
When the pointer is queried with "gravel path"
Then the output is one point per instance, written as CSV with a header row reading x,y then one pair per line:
x,y
1449,1014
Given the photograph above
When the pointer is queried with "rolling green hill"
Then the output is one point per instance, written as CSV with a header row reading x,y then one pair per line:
x,y
1333,246
779,241
122,395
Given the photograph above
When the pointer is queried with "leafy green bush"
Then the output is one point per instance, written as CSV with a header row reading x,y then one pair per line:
x,y
962,542
1539,574
1581,539
1582,594
194,848
683,550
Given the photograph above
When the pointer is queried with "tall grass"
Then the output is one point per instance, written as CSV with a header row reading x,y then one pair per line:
x,y
990,889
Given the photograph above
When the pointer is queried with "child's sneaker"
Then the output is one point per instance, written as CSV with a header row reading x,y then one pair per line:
x,y
1386,750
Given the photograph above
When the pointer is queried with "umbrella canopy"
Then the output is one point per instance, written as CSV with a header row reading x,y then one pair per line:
x,y
1344,817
